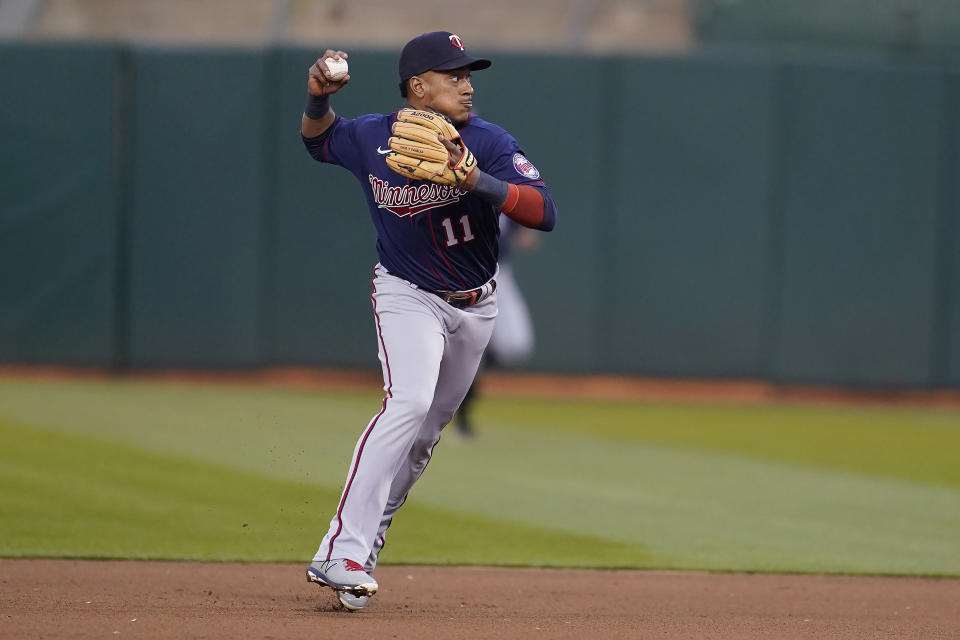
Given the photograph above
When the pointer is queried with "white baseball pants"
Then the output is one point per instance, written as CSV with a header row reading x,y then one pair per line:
x,y
429,352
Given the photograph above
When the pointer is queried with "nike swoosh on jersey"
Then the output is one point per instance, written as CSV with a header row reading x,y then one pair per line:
x,y
383,152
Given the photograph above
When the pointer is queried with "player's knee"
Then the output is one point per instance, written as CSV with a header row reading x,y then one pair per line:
x,y
414,404
445,417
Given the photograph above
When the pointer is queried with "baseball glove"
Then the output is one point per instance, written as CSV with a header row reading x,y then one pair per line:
x,y
416,151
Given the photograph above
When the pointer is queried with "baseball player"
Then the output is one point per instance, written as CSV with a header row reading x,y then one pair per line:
x,y
435,179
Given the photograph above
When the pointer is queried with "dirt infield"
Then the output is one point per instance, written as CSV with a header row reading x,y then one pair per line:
x,y
101,599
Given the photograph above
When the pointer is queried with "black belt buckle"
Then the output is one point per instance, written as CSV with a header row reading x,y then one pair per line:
x,y
461,299
464,299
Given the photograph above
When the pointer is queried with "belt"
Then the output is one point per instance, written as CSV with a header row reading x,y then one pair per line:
x,y
464,299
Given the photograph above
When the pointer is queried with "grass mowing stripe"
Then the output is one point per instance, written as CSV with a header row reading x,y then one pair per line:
x,y
63,495
703,509
238,424
284,434
910,443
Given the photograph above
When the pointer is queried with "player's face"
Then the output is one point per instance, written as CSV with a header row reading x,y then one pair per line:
x,y
449,92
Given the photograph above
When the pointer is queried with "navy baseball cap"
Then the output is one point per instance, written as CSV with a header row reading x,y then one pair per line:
x,y
436,51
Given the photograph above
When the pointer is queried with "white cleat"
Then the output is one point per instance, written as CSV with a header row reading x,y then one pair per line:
x,y
342,575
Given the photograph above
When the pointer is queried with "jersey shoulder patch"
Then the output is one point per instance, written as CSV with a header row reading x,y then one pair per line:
x,y
524,167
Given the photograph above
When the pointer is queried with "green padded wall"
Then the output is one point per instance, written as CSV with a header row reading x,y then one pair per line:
x,y
559,278
195,230
324,243
687,285
860,207
794,218
57,204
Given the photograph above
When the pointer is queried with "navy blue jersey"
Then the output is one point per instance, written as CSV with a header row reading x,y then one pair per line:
x,y
437,237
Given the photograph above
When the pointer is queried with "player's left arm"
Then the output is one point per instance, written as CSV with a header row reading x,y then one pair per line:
x,y
530,205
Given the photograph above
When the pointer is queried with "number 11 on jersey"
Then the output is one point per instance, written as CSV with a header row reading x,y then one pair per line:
x,y
451,236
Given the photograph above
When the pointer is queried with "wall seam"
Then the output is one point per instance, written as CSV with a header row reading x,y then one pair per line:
x,y
941,336
608,213
268,216
775,259
123,203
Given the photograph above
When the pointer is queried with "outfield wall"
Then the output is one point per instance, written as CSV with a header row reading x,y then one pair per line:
x,y
786,217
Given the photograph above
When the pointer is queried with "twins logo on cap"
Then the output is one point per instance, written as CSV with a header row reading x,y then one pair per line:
x,y
524,167
456,41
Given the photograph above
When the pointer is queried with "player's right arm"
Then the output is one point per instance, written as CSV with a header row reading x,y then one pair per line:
x,y
317,115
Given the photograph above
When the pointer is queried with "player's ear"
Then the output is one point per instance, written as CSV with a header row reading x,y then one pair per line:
x,y
417,86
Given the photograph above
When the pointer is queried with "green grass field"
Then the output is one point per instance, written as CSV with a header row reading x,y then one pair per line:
x,y
142,470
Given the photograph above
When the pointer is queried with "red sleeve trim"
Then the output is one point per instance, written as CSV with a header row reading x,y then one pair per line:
x,y
524,205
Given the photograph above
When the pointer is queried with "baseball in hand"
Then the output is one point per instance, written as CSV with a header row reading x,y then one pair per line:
x,y
336,69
